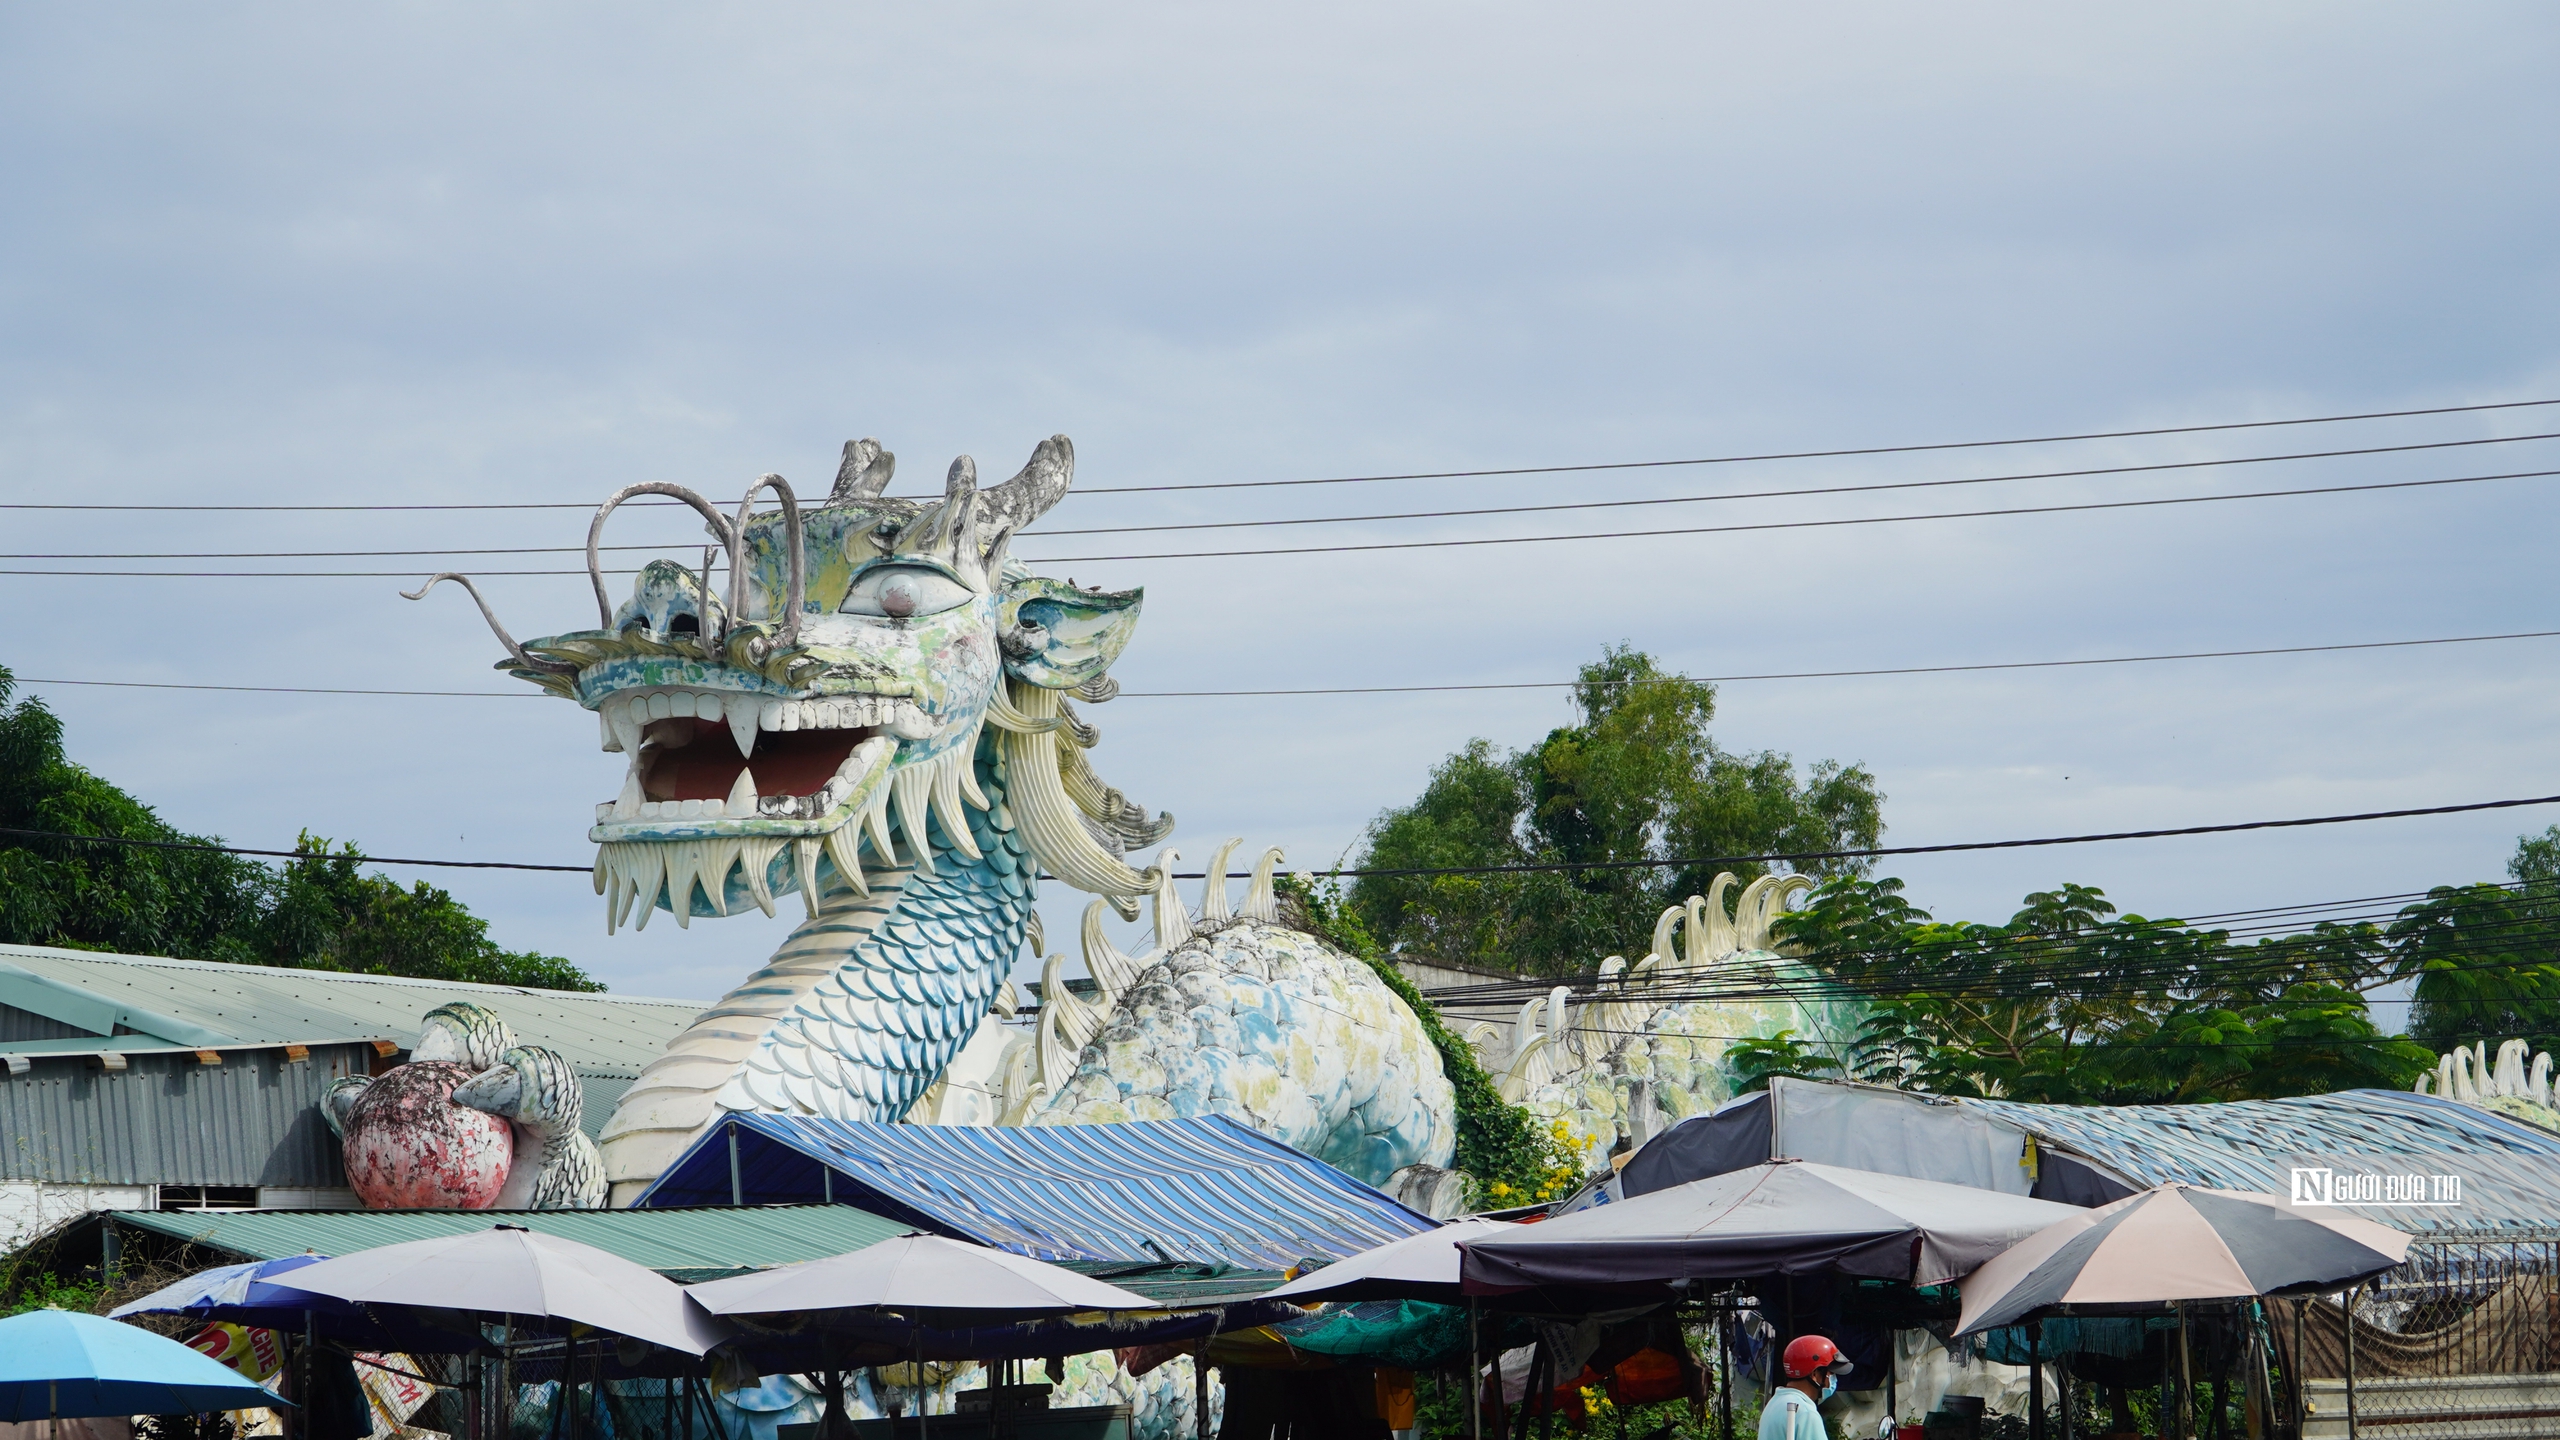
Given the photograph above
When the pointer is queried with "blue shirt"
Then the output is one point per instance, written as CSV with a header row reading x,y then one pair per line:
x,y
1792,1415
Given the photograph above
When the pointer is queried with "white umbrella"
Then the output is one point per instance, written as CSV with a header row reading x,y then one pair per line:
x,y
917,1272
1417,1267
509,1270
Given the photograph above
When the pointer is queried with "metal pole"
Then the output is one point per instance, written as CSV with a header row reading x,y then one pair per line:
x,y
1724,1360
737,1189
2035,1380
921,1407
2187,1380
2351,1359
1475,1369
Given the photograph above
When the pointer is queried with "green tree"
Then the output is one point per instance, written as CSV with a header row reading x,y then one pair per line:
x,y
2070,1003
317,911
1637,779
2482,959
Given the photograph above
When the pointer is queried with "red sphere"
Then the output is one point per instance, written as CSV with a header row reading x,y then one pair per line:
x,y
409,1147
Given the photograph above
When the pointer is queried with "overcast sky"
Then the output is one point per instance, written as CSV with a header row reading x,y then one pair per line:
x,y
320,254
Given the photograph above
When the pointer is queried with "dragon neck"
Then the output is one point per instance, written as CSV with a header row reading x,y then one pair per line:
x,y
860,1008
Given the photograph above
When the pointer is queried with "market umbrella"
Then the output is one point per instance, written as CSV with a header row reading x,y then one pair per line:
x,y
2178,1242
917,1272
508,1270
1787,1217
250,1294
55,1364
1417,1267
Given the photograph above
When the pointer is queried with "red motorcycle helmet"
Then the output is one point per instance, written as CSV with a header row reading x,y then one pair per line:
x,y
1807,1354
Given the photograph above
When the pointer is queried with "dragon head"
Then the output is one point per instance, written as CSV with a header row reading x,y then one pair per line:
x,y
776,725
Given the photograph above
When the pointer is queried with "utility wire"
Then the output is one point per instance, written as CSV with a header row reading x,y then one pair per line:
x,y
1364,519
1472,474
1796,524
1558,866
1437,689
1437,544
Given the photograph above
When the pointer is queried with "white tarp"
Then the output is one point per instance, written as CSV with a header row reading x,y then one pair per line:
x,y
1858,1128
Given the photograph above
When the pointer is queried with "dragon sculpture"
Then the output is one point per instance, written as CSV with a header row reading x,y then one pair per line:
x,y
875,712
473,1121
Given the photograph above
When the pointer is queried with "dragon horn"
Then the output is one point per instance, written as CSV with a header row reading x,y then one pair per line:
x,y
865,472
1041,484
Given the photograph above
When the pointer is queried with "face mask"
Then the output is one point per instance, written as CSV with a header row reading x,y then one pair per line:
x,y
1829,1387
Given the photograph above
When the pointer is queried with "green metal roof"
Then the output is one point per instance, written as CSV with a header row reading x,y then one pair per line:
x,y
204,1003
1178,1285
708,1243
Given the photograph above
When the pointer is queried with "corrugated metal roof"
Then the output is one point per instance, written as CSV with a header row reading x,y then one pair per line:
x,y
683,1245
253,1119
1205,1190
209,1003
2510,1170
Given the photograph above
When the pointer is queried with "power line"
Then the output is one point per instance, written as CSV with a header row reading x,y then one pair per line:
x,y
1433,544
1469,474
1795,524
1549,867
1367,519
1436,689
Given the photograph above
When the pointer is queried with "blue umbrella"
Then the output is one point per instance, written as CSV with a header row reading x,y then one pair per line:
x,y
57,1364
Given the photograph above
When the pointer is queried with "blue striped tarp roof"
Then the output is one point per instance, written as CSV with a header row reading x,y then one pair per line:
x,y
1205,1190
2510,1170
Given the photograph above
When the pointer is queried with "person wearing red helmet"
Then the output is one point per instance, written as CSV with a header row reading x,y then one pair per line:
x,y
1812,1364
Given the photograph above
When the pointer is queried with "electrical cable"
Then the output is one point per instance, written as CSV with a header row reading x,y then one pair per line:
x,y
1362,519
1553,867
1435,544
1437,689
1475,474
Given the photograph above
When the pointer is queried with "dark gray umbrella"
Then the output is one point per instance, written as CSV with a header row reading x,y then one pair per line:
x,y
2179,1242
1784,1217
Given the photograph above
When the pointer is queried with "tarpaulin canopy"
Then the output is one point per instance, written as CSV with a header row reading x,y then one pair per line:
x,y
1784,1217
1206,1190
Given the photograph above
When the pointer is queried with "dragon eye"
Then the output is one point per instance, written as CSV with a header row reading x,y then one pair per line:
x,y
904,592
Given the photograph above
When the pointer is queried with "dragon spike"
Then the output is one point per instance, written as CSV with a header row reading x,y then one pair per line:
x,y
1173,923
1213,885
755,856
1719,931
841,846
1112,971
912,788
1034,934
1762,902
1261,900
1666,926
964,764
865,473
875,824
804,863
947,768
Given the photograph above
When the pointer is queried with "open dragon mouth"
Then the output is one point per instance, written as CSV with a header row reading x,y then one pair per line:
x,y
702,755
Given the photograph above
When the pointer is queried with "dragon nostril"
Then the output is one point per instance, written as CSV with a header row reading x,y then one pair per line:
x,y
684,624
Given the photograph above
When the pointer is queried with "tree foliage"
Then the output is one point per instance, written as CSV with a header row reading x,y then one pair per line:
x,y
316,911
1638,778
2070,1003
